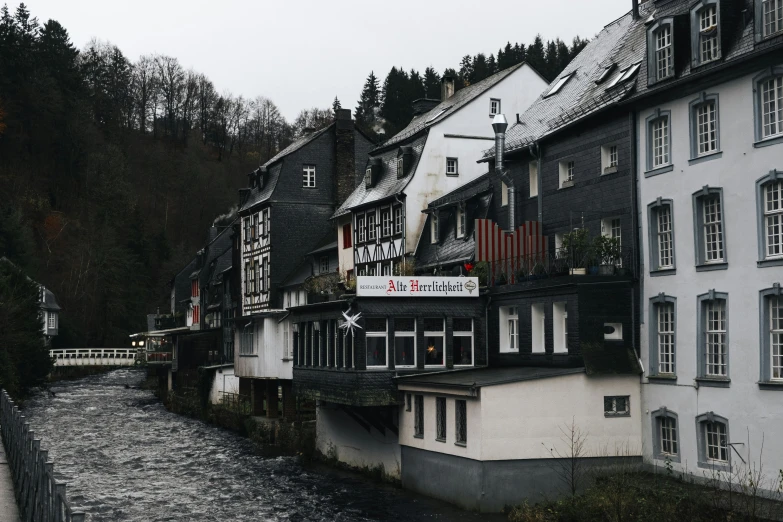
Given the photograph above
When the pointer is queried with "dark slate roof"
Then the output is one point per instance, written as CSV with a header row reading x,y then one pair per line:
x,y
610,359
451,250
324,248
223,263
448,107
302,272
296,145
259,195
49,301
477,378
388,185
466,191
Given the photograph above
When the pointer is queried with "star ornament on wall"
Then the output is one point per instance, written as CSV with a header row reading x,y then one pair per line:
x,y
351,322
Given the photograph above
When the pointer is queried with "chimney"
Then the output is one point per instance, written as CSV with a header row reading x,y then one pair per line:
x,y
213,232
345,175
307,131
446,88
499,125
635,9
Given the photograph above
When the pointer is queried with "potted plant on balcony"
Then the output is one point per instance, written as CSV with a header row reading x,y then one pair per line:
x,y
576,244
607,252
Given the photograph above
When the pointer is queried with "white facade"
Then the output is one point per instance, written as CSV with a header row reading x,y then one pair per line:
x,y
462,136
267,352
521,420
686,388
225,382
256,250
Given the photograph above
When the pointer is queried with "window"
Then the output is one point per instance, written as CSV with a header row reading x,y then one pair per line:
x,y
386,269
661,235
435,334
665,438
451,167
324,264
538,327
463,341
248,279
705,32
254,231
494,106
52,320
566,174
533,173
461,422
559,85
360,230
708,222
376,342
612,228
608,70
386,222
560,326
246,223
663,52
434,228
308,176
658,154
418,423
405,342
624,75
705,138
713,336
400,166
772,17
347,240
772,107
264,223
460,218
509,329
617,406
608,159
769,194
440,419
246,340
503,194
368,177
398,220
663,320
371,229
713,441
771,311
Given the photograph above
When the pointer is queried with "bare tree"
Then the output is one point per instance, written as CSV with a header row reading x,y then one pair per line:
x,y
569,462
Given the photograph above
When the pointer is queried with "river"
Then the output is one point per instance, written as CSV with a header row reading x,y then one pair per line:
x,y
126,458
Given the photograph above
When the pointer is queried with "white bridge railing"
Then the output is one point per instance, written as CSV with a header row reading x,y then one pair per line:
x,y
94,356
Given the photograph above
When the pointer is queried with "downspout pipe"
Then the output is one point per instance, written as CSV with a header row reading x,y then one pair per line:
x,y
499,125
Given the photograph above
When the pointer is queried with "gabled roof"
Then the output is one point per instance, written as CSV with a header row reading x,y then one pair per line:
x,y
580,95
259,195
296,145
388,185
49,301
466,191
448,107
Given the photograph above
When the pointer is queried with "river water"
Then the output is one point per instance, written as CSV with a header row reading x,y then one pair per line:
x,y
125,458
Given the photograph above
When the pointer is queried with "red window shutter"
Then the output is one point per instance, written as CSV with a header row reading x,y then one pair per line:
x,y
347,235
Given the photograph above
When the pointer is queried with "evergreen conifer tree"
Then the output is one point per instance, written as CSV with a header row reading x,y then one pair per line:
x,y
369,102
535,56
336,105
431,84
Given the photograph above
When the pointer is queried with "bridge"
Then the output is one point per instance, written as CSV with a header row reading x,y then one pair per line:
x,y
96,356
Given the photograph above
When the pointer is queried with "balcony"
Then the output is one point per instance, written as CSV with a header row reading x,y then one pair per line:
x,y
560,263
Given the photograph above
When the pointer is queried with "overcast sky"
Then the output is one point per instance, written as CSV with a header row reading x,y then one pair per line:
x,y
303,53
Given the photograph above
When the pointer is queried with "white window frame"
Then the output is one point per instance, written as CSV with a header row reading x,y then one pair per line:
x,y
611,408
51,320
460,221
385,336
533,178
712,224
709,43
609,157
772,17
566,173
661,154
772,219
372,231
494,106
400,166
776,338
771,96
441,334
386,222
434,228
538,328
469,334
666,340
308,176
406,334
509,329
560,326
663,52
668,436
664,235
452,167
361,231
397,214
716,442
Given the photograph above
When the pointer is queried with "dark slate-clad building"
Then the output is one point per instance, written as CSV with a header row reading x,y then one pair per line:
x,y
284,215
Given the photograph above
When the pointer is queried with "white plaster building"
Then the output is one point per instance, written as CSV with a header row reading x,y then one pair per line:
x,y
434,155
710,178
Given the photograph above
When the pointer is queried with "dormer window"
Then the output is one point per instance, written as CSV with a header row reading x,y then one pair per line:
x,y
400,166
404,161
559,85
705,32
772,13
663,52
368,177
607,72
460,222
434,228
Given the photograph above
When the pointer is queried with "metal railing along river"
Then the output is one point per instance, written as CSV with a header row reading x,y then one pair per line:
x,y
41,498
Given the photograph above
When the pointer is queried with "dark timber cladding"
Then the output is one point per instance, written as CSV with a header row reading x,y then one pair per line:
x,y
338,369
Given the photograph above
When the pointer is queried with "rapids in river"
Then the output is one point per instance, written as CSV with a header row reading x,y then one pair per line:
x,y
125,458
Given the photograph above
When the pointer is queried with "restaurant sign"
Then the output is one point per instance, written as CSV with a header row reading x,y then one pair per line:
x,y
413,286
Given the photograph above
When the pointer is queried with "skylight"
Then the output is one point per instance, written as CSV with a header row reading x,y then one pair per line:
x,y
605,75
437,114
559,85
624,75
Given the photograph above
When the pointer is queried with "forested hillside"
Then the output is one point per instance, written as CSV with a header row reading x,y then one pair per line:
x,y
112,169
